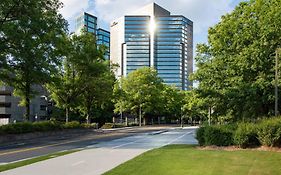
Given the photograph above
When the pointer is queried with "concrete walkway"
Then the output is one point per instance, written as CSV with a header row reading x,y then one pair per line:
x,y
100,158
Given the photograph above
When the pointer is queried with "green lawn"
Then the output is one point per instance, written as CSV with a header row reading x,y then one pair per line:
x,y
34,160
187,160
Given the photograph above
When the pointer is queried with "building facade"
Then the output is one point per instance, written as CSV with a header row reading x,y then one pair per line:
x,y
153,37
11,112
88,22
103,38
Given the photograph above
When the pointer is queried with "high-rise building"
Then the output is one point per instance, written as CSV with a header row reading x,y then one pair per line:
x,y
103,38
153,37
88,22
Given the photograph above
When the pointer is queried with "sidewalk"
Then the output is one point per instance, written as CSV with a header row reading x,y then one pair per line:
x,y
86,162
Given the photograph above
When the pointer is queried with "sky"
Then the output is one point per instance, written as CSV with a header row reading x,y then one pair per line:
x,y
203,13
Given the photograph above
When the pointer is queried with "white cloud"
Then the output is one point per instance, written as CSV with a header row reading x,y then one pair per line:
x,y
204,13
73,7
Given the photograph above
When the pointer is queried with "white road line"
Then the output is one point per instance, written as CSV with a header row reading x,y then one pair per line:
x,y
78,163
178,138
124,144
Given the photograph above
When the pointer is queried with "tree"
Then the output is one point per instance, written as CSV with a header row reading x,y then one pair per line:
x,y
30,33
140,92
195,107
172,102
65,88
95,72
236,68
85,81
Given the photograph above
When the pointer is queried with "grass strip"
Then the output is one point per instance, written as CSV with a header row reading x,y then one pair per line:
x,y
186,159
34,160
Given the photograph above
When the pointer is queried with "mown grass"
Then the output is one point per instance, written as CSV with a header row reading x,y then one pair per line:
x,y
34,160
184,159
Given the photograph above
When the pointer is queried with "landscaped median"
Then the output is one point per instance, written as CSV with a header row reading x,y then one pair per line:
x,y
192,160
17,164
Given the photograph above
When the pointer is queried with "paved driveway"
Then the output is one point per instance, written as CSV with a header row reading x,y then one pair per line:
x,y
99,158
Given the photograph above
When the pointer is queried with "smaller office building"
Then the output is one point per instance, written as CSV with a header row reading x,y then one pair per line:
x,y
88,22
11,112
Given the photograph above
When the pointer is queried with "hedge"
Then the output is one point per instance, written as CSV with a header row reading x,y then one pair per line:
x,y
215,135
269,132
266,132
246,135
27,127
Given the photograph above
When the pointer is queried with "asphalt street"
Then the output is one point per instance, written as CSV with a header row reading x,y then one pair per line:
x,y
100,157
42,146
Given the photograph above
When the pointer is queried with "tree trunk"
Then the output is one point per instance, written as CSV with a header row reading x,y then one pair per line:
x,y
140,116
88,118
126,121
66,114
144,121
27,102
27,109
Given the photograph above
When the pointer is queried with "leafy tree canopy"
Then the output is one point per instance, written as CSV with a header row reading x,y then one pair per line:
x,y
236,67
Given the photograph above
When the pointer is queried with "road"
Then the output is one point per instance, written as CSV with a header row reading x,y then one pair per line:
x,y
100,157
47,145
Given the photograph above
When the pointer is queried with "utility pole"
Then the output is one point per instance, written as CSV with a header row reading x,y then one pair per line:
x,y
276,82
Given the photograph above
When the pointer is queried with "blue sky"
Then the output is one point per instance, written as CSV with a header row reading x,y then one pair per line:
x,y
203,13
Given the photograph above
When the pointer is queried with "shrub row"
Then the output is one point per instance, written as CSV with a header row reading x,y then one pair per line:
x,y
112,125
266,132
27,127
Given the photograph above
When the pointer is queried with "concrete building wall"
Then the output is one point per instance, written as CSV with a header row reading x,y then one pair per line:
x,y
10,110
117,46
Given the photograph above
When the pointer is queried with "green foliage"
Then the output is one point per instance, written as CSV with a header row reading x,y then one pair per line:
x,y
85,81
269,132
107,126
246,135
31,33
46,126
266,132
140,92
195,107
236,68
24,127
88,126
72,125
218,135
200,135
27,127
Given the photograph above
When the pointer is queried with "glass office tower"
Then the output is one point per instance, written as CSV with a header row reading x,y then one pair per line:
x,y
103,38
88,22
153,37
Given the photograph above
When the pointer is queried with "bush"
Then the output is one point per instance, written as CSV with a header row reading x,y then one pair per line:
x,y
46,126
246,135
119,125
88,126
107,126
269,132
16,128
218,135
200,135
27,127
72,125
